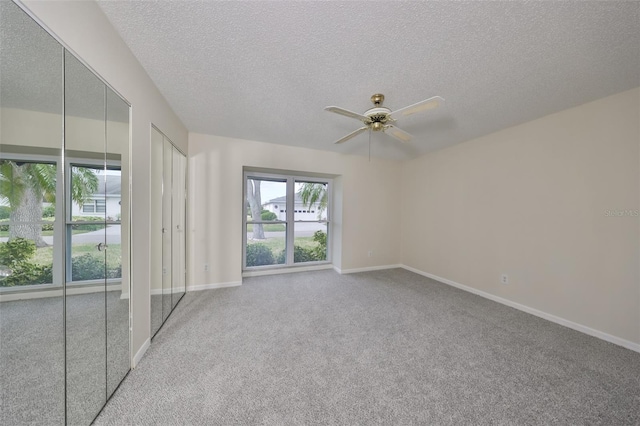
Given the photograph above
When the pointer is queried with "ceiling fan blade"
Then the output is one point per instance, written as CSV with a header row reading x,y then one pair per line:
x,y
346,113
430,103
352,134
397,133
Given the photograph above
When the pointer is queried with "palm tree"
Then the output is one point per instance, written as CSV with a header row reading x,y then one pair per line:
x,y
25,186
312,193
255,205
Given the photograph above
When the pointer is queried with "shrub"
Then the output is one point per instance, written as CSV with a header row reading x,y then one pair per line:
x,y
258,255
16,250
320,251
267,215
49,211
5,211
87,267
300,254
114,272
4,226
89,227
15,255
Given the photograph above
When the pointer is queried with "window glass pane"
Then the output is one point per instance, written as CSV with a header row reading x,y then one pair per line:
x,y
87,188
27,215
114,194
311,200
114,251
266,200
87,259
269,250
26,254
310,242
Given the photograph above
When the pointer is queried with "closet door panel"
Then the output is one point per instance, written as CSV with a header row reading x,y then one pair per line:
x,y
31,302
117,234
167,226
157,149
85,127
179,222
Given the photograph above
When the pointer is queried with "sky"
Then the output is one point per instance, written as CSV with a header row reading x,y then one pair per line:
x,y
270,190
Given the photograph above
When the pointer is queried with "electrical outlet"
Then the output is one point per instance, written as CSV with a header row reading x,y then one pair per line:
x,y
370,253
206,267
504,279
164,271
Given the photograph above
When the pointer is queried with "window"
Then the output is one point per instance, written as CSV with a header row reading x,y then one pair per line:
x,y
33,203
90,261
27,206
95,206
296,234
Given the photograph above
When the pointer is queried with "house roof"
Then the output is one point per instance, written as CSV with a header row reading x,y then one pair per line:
x,y
113,186
298,200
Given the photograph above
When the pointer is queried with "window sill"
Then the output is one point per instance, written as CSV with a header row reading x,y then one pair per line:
x,y
315,266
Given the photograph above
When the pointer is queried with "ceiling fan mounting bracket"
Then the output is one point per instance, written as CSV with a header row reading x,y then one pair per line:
x,y
377,99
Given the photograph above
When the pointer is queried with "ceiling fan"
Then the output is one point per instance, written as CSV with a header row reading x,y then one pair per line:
x,y
381,118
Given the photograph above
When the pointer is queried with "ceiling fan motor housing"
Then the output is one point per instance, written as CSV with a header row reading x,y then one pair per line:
x,y
377,118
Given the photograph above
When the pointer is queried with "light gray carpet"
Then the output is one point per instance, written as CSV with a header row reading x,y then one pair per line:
x,y
32,369
388,347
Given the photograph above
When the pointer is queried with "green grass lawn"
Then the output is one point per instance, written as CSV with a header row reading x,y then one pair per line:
x,y
44,255
271,227
5,234
277,244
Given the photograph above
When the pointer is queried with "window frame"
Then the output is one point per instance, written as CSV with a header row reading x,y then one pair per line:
x,y
56,283
97,164
290,180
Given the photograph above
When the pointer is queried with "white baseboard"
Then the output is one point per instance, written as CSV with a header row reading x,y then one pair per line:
x,y
366,269
212,286
288,270
165,291
544,315
25,293
138,356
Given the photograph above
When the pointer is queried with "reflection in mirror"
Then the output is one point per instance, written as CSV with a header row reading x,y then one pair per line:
x,y
85,293
167,227
178,221
31,305
168,224
157,149
117,211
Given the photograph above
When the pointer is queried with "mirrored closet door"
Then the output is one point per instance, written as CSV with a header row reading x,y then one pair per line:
x,y
168,222
64,231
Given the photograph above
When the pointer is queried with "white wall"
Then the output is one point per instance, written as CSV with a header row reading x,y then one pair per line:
x,y
85,30
215,200
531,201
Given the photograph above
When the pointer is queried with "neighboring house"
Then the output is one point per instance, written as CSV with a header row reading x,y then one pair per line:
x,y
301,211
105,200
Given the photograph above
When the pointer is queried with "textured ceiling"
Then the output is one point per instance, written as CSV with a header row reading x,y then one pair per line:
x,y
265,70
31,73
